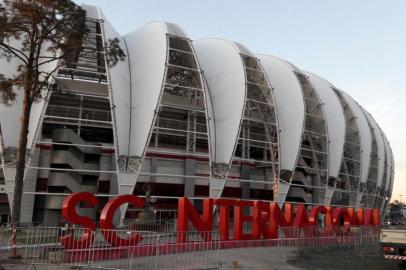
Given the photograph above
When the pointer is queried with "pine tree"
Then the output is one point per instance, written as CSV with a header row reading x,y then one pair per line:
x,y
39,34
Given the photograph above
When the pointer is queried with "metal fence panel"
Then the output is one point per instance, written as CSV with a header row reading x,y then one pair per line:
x,y
162,250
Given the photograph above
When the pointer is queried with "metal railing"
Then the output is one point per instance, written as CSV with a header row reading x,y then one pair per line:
x,y
112,249
78,113
137,249
368,242
157,225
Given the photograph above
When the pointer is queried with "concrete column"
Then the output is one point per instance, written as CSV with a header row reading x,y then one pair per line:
x,y
245,173
190,169
105,164
318,193
30,182
154,169
114,178
44,159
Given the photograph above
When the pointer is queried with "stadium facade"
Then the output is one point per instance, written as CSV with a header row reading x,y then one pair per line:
x,y
192,118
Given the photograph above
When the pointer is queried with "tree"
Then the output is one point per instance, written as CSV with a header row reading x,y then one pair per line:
x,y
39,34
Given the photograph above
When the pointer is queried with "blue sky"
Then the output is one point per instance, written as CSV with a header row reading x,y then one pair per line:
x,y
360,46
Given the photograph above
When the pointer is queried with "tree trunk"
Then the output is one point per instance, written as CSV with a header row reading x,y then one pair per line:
x,y
21,155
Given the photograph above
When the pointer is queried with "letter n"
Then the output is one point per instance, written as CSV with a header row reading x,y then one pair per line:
x,y
203,224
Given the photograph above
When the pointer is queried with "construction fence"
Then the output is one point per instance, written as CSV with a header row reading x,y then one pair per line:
x,y
161,250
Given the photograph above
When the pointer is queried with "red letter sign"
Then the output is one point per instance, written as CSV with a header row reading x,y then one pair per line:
x,y
224,226
106,220
277,219
240,218
70,215
260,226
202,224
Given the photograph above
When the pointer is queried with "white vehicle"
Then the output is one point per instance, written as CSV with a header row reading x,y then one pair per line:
x,y
394,243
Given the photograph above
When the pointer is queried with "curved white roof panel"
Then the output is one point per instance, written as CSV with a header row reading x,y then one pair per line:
x,y
289,108
242,49
224,73
120,79
380,145
147,49
174,29
365,136
335,122
10,115
92,11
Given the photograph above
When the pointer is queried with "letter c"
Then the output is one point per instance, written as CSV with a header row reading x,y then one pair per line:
x,y
319,210
106,220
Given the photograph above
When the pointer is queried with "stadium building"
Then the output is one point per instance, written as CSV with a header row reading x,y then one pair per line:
x,y
191,118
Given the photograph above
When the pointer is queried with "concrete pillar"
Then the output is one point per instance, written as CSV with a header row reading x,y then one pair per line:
x,y
44,159
105,164
318,193
154,169
245,174
30,182
190,169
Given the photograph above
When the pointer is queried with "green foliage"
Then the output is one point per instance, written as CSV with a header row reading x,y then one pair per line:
x,y
37,33
7,93
114,52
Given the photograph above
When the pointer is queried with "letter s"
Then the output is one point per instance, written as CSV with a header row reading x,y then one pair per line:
x,y
70,215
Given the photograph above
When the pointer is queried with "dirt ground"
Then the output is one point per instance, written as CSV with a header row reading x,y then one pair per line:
x,y
317,258
275,258
340,258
